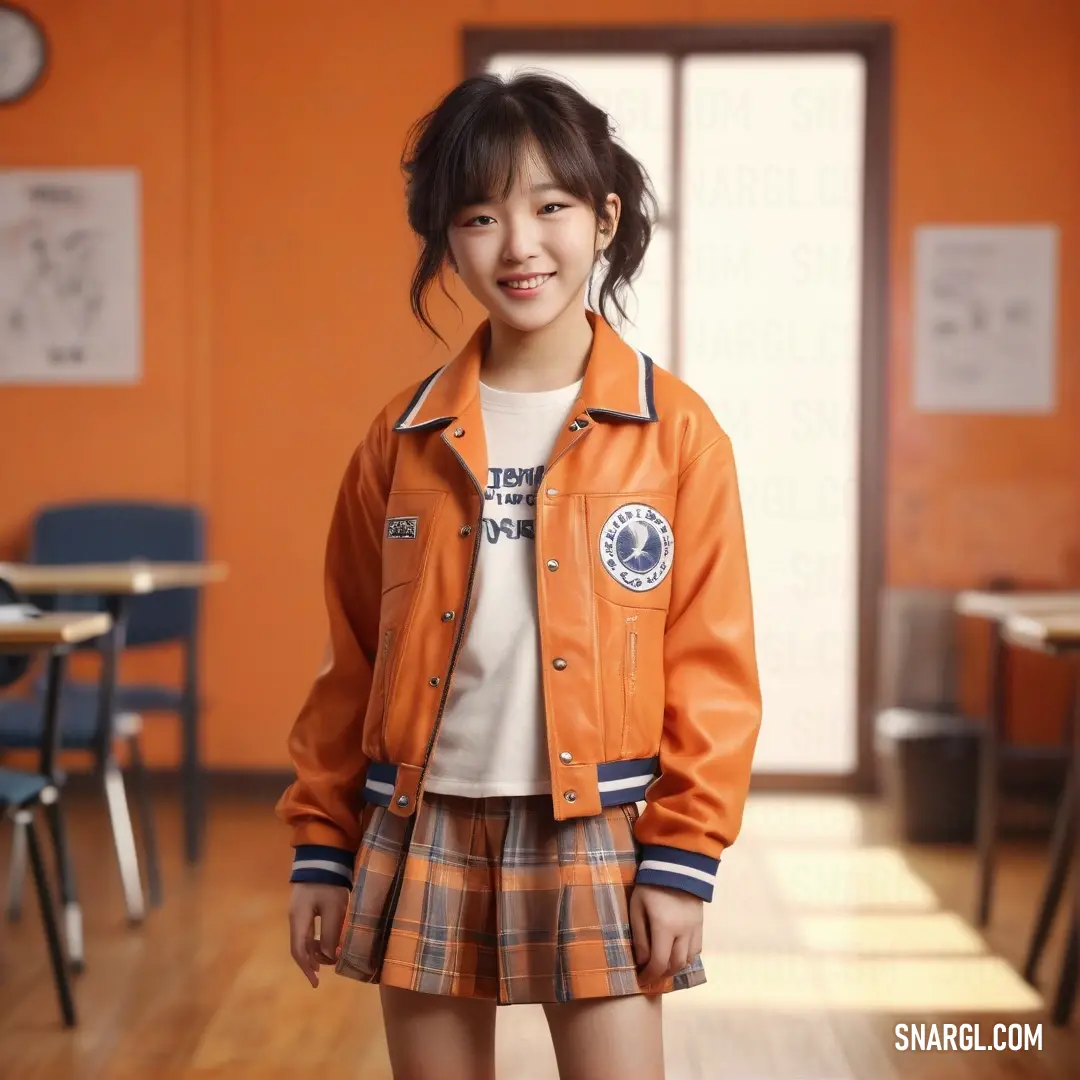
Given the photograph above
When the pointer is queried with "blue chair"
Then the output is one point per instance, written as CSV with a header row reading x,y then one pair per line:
x,y
21,728
118,531
21,794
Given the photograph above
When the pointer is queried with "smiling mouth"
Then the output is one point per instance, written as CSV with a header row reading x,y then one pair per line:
x,y
525,285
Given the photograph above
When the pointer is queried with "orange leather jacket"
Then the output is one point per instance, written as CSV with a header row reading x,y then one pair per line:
x,y
648,659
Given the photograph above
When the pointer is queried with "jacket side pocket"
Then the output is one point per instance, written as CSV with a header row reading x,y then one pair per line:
x,y
629,680
385,652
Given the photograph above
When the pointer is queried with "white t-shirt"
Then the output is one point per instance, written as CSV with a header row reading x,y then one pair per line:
x,y
492,738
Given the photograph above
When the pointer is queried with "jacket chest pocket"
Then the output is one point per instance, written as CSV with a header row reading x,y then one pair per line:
x,y
411,518
631,548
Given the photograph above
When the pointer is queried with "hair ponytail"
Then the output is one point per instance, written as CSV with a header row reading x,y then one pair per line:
x,y
625,253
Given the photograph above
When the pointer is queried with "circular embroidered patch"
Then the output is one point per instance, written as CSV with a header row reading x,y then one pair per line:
x,y
637,546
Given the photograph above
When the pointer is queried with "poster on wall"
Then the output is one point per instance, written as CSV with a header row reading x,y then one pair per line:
x,y
985,310
70,276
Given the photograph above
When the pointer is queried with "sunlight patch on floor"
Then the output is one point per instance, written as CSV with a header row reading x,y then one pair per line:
x,y
934,933
789,819
872,877
870,984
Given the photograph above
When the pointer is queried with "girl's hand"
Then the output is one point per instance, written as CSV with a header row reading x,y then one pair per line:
x,y
330,903
665,925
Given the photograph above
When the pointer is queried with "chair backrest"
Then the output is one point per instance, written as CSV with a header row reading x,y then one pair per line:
x,y
918,667
117,531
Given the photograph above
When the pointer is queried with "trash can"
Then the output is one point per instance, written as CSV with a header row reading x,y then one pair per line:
x,y
929,762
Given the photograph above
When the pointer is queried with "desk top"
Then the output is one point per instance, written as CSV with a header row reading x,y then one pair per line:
x,y
23,633
115,579
1055,631
1000,605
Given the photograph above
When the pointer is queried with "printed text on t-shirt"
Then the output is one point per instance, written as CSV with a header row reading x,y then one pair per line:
x,y
508,486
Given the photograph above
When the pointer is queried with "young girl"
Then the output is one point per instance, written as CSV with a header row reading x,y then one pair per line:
x,y
540,618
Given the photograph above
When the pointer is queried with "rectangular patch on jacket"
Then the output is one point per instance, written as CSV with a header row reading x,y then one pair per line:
x,y
401,528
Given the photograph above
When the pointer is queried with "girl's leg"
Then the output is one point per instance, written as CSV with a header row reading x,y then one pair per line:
x,y
436,1037
605,1038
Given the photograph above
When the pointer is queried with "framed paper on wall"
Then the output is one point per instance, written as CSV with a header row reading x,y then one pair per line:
x,y
70,276
985,307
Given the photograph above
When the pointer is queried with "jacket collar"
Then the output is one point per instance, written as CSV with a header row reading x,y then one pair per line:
x,y
618,382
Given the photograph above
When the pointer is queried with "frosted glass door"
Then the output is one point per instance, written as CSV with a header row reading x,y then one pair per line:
x,y
771,210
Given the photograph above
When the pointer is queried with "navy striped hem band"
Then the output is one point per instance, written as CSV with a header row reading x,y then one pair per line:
x,y
677,869
618,781
625,781
379,784
322,865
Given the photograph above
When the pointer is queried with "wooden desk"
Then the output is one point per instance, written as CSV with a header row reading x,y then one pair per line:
x,y
997,608
110,579
118,584
1058,634
50,629
54,632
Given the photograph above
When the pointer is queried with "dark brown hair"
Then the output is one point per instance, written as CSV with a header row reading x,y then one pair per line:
x,y
467,150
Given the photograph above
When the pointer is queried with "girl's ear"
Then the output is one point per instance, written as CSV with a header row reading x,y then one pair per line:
x,y
609,224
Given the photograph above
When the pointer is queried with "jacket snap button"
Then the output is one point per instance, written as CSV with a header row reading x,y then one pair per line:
x,y
566,757
458,432
433,681
447,616
552,492
465,530
570,796
553,565
559,664
403,800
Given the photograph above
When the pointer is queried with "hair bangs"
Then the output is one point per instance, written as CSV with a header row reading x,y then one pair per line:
x,y
496,143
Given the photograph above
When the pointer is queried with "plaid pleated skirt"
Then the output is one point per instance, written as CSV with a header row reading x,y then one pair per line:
x,y
498,901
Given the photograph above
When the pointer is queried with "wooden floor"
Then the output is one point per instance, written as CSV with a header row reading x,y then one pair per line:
x,y
821,938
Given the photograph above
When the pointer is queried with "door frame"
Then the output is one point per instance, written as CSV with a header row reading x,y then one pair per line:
x,y
873,41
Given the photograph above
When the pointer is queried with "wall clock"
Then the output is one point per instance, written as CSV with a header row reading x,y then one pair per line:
x,y
23,53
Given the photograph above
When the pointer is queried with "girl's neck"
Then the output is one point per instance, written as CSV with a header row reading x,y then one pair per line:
x,y
536,360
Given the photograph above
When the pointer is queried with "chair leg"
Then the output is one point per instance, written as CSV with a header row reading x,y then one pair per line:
x,y
16,873
124,838
989,768
1066,989
194,810
1061,843
144,804
48,918
69,899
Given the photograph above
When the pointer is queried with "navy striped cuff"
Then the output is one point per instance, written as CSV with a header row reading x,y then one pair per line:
x,y
322,865
677,869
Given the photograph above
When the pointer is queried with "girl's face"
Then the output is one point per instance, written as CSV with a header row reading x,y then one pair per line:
x,y
528,259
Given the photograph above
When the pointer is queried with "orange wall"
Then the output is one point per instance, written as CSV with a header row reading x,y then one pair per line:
x,y
277,262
